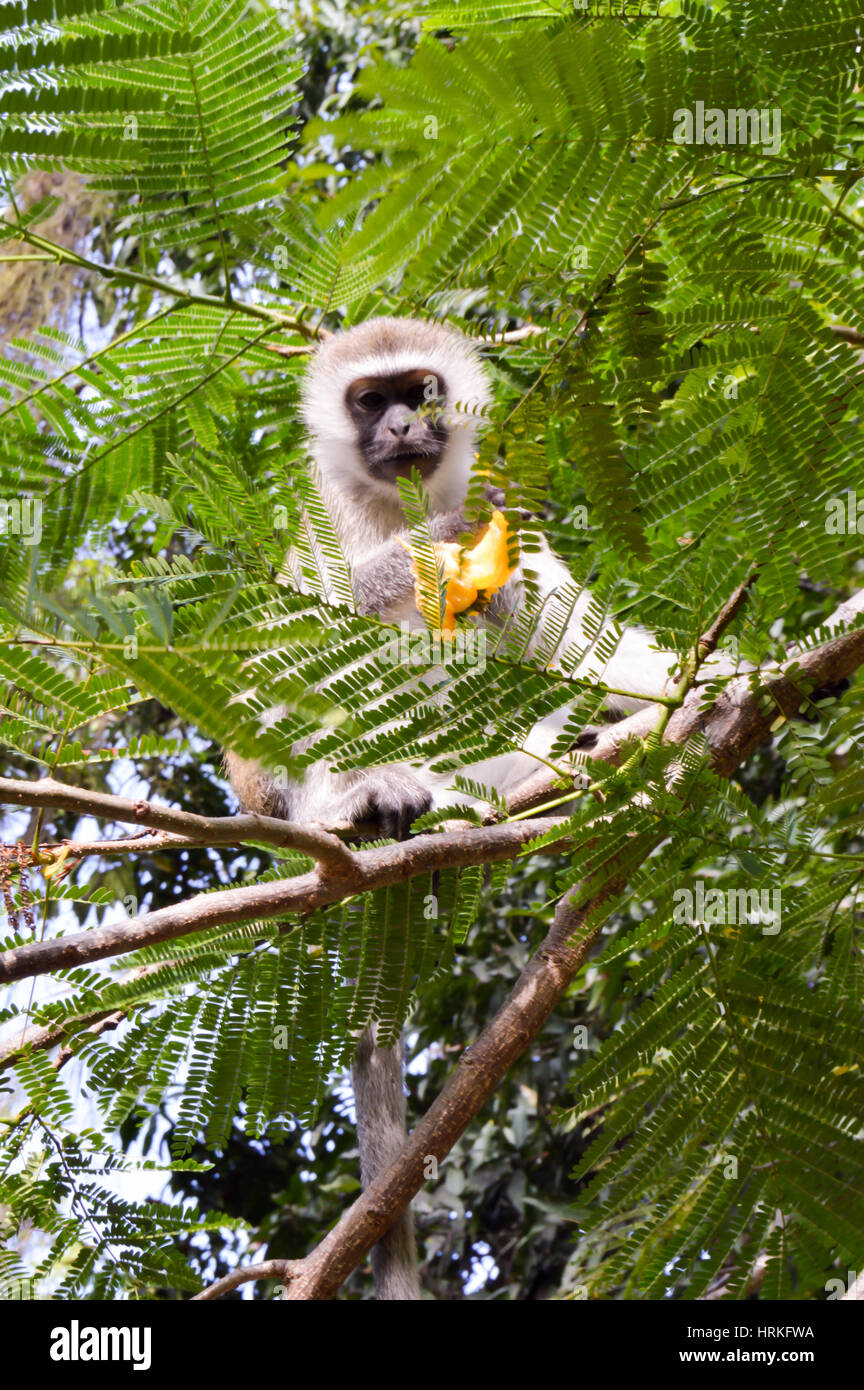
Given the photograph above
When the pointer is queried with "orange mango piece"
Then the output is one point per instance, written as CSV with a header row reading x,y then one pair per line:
x,y
482,569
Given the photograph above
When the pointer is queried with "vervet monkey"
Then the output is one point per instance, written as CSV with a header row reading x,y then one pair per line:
x,y
379,400
386,397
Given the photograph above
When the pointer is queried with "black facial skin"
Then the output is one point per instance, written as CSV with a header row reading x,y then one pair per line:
x,y
398,420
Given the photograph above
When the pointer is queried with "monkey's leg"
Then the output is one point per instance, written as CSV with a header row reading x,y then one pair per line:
x,y
379,1101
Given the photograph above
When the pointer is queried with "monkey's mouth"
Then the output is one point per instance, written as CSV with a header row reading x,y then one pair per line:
x,y
400,466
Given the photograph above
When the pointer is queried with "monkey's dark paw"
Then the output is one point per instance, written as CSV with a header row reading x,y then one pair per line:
x,y
500,497
830,691
587,738
392,798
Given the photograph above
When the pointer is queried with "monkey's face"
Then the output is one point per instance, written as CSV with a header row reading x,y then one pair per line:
x,y
399,422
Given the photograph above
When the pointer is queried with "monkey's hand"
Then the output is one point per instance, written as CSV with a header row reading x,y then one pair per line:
x,y
391,797
587,737
384,580
449,526
470,573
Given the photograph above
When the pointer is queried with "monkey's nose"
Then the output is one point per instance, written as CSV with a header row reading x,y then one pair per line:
x,y
399,430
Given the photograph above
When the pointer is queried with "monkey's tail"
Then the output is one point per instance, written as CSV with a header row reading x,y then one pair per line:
x,y
379,1101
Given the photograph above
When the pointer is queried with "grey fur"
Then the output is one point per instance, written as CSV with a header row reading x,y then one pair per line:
x,y
367,515
384,580
392,796
380,1104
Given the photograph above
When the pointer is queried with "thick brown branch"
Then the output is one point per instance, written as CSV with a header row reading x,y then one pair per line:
x,y
735,725
740,720
373,868
849,335
740,726
536,993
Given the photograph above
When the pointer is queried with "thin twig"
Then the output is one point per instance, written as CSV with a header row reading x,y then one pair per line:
x,y
246,1274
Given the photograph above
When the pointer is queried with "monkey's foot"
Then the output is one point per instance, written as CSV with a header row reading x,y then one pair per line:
x,y
392,798
832,690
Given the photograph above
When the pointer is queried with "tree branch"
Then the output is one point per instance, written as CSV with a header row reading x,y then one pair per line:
x,y
738,722
39,1037
246,1274
735,725
374,868
740,719
481,1067
64,256
479,1070
191,829
741,724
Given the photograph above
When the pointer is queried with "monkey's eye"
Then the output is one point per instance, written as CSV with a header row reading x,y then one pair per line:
x,y
370,400
415,396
